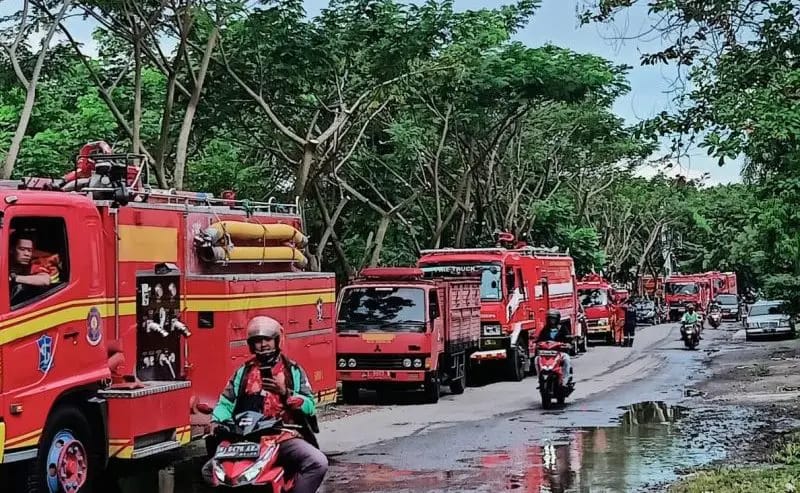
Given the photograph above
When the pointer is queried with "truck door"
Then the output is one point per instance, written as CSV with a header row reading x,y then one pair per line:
x,y
46,328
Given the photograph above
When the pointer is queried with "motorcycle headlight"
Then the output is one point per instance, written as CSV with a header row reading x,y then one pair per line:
x,y
342,362
253,471
490,330
407,363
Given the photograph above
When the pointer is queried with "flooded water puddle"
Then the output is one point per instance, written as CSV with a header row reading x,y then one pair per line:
x,y
650,444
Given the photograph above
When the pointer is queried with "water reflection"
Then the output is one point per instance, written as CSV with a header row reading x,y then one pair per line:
x,y
646,447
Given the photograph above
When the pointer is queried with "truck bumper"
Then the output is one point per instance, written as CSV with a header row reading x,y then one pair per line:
x,y
384,376
599,330
494,354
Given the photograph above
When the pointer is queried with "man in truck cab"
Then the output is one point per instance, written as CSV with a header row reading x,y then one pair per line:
x,y
277,387
27,271
556,332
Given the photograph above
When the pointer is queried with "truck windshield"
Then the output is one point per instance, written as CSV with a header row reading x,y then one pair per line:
x,y
682,288
490,276
593,297
385,309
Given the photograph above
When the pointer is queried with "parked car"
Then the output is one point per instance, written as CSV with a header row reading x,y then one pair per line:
x,y
768,318
647,312
729,306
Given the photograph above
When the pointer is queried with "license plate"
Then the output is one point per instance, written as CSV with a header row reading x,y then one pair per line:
x,y
238,451
378,373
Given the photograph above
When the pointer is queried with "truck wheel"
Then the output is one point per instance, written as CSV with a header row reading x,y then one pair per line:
x,y
573,348
582,346
457,385
432,390
350,393
68,459
514,368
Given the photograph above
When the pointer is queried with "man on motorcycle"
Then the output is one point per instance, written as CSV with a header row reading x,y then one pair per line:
x,y
691,318
554,331
274,385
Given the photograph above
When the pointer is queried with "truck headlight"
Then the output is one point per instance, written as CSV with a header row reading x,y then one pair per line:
x,y
602,321
351,362
417,363
342,363
407,363
489,330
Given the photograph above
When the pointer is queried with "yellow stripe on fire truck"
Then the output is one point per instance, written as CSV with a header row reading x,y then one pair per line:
x,y
75,311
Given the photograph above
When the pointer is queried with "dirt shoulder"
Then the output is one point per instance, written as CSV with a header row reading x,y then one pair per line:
x,y
762,377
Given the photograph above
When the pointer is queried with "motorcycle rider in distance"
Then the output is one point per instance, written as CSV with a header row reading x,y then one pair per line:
x,y
692,318
272,384
555,332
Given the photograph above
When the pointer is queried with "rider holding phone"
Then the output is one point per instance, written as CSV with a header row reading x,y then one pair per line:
x,y
277,387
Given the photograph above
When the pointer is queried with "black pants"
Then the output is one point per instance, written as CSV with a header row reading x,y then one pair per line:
x,y
629,332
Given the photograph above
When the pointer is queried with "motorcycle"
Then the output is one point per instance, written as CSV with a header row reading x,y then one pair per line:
x,y
715,318
549,366
690,333
247,453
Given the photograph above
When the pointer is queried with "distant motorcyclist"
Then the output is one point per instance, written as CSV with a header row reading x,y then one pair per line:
x,y
554,331
692,318
277,387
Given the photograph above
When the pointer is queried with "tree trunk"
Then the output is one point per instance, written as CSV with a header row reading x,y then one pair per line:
x,y
137,87
304,170
30,97
191,109
379,236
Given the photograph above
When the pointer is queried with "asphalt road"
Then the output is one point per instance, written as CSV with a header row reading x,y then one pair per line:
x,y
497,437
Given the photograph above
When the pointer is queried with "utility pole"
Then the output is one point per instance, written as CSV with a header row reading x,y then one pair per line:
x,y
666,251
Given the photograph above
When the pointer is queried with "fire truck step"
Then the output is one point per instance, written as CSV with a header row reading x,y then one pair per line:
x,y
150,388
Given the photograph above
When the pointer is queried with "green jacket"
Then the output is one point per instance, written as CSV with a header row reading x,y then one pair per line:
x,y
690,318
297,380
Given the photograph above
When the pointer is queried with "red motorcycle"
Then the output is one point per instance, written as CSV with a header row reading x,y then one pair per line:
x,y
549,366
247,453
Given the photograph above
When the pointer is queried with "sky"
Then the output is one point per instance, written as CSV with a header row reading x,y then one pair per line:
x,y
556,23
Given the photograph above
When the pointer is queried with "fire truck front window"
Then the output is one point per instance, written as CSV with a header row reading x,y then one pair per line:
x,y
382,309
687,288
593,297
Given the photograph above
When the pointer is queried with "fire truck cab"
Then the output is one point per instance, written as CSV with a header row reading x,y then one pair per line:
x,y
682,289
124,314
601,303
518,286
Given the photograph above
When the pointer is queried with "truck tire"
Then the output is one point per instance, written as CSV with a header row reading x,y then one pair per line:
x,y
350,393
432,390
573,349
582,346
67,426
514,365
457,385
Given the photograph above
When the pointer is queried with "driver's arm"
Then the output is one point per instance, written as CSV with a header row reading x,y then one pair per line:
x,y
227,400
41,279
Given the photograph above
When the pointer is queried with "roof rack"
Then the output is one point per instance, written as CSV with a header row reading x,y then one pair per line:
x,y
448,250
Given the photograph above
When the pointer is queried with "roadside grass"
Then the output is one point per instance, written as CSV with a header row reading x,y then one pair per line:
x,y
780,475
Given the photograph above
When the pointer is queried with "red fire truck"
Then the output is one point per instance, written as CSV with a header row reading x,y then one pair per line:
x,y
138,313
723,283
682,289
652,287
601,303
397,329
518,286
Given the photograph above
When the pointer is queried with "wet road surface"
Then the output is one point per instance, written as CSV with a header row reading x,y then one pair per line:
x,y
622,430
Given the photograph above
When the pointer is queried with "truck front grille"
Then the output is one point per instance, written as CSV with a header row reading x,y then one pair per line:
x,y
379,361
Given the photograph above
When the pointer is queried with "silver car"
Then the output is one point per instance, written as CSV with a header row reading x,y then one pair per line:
x,y
768,318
